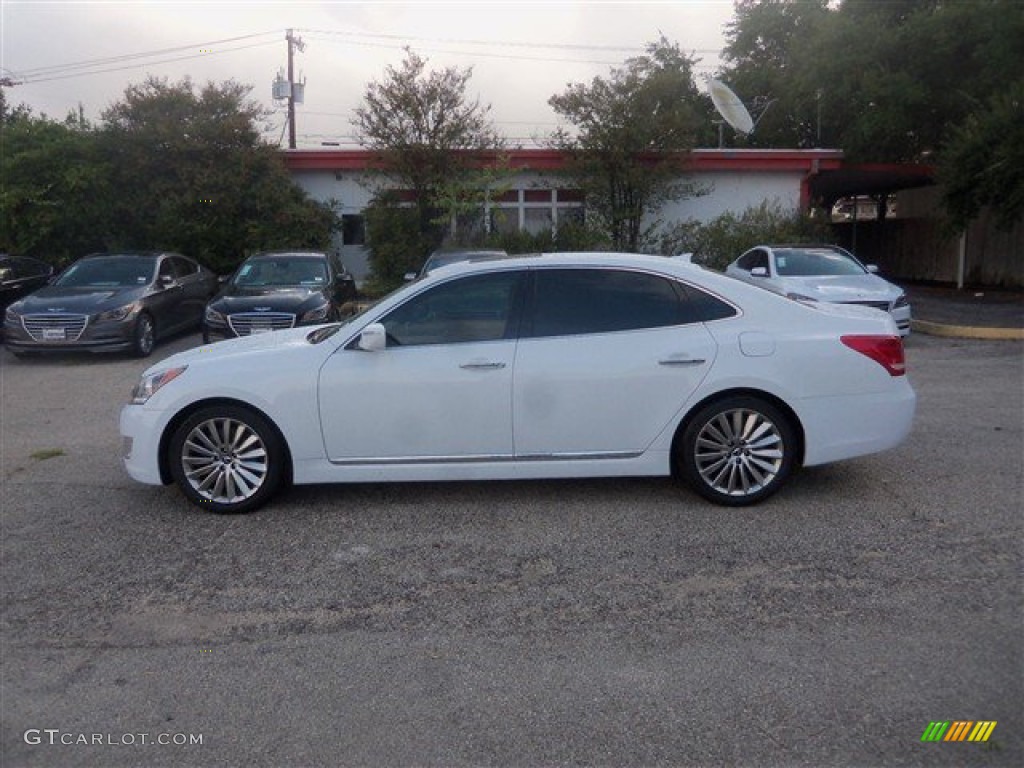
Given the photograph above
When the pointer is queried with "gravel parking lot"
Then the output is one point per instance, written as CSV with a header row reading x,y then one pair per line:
x,y
618,622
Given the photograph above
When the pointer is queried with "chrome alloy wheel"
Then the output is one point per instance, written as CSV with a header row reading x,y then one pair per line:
x,y
224,460
739,452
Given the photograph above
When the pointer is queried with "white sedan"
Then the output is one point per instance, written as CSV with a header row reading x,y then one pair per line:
x,y
563,365
821,273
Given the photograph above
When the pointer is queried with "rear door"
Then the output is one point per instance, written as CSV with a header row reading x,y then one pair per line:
x,y
606,359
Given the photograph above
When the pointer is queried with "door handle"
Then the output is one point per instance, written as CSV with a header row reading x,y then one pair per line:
x,y
681,360
481,365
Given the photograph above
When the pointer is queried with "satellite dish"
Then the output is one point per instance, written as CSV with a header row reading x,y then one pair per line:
x,y
730,107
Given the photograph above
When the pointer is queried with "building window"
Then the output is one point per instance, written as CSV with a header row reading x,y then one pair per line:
x,y
353,229
537,220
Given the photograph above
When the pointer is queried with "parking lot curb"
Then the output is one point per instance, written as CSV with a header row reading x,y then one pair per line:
x,y
966,331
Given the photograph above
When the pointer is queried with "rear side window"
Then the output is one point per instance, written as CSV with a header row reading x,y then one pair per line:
x,y
568,302
702,307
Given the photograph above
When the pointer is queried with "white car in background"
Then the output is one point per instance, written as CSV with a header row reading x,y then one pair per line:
x,y
561,365
821,273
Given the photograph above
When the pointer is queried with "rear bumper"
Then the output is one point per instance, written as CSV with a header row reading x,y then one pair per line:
x,y
847,426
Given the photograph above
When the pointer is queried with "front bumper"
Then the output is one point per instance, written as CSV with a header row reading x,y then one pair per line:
x,y
902,317
94,337
140,435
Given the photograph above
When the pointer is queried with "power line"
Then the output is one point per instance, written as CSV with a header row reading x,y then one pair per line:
x,y
490,43
147,63
59,71
482,54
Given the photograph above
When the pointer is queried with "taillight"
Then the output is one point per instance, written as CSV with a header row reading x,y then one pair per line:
x,y
887,351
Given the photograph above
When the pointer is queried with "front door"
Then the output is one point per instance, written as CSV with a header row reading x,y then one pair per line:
x,y
442,388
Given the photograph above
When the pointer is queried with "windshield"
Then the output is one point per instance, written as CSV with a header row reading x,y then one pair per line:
x,y
791,262
309,272
109,272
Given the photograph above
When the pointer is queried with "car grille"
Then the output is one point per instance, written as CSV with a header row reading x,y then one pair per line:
x,y
246,323
882,305
54,327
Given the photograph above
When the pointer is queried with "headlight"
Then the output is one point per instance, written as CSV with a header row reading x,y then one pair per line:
x,y
800,297
215,317
150,384
115,315
315,314
11,316
901,302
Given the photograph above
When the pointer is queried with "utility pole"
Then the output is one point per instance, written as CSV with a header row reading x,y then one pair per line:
x,y
293,43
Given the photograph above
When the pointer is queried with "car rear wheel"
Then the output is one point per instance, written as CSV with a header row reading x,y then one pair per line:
x,y
227,459
737,451
144,337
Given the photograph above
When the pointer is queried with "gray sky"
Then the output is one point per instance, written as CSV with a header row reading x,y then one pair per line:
x,y
521,52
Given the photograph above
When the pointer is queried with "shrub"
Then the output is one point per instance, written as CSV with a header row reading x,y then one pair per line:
x,y
719,241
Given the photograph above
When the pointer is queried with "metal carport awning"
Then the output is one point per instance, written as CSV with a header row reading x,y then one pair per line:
x,y
826,187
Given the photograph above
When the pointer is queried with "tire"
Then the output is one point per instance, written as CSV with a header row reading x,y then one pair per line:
x,y
206,335
737,451
144,336
226,459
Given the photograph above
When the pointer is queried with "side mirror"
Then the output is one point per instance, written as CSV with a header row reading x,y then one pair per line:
x,y
373,338
872,268
759,272
166,281
409,276
221,279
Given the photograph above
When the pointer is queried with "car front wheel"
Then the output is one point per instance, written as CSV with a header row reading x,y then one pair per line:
x,y
737,451
144,337
226,459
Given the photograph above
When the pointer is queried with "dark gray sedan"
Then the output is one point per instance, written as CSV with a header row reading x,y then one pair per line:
x,y
115,301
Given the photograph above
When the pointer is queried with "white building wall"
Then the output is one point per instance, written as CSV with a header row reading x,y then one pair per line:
x,y
732,192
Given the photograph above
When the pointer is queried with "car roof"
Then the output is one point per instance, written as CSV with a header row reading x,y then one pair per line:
x,y
570,259
803,246
129,254
285,254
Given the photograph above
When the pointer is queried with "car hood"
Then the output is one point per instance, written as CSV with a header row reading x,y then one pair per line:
x,y
223,351
235,299
840,288
84,301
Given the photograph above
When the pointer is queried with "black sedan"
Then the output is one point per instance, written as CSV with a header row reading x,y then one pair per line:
x,y
111,301
276,290
19,276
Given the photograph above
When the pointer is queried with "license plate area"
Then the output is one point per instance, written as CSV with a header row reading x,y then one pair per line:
x,y
54,334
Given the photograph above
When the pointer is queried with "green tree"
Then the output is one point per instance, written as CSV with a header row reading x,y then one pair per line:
x,y
766,54
884,81
983,162
55,197
633,130
192,174
429,137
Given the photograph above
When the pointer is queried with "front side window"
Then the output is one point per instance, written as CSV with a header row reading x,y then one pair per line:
x,y
470,309
752,259
570,302
183,267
